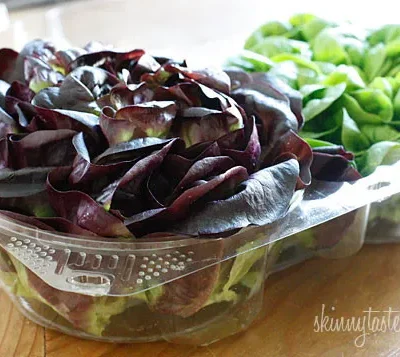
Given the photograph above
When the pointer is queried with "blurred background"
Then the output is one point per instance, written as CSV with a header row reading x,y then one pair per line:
x,y
203,31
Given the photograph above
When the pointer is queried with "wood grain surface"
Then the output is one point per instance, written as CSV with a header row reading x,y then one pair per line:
x,y
293,298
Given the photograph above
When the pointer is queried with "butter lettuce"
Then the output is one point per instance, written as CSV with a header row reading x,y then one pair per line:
x,y
354,98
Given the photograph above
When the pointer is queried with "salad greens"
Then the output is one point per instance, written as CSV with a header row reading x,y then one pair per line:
x,y
349,78
100,143
127,145
145,143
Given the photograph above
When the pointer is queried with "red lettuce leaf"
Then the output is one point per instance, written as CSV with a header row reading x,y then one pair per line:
x,y
80,209
291,146
243,146
39,74
262,199
20,91
12,66
125,95
145,64
130,150
175,166
131,182
7,124
64,57
151,119
36,118
88,176
111,61
271,86
78,91
277,130
200,170
63,225
41,148
159,219
333,163
212,78
8,60
200,124
192,94
24,191
4,86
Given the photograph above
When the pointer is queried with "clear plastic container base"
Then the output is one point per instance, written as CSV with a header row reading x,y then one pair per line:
x,y
174,288
384,221
198,309
202,318
341,237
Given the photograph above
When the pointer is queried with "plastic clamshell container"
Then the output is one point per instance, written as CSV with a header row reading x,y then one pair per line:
x,y
384,221
338,238
193,291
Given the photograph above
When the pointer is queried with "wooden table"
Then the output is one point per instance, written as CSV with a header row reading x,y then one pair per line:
x,y
294,297
292,300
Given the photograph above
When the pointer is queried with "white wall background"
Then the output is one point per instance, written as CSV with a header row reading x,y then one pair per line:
x,y
206,31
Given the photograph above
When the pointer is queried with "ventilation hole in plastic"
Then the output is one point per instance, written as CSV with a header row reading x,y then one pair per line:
x,y
141,273
139,281
166,263
13,239
158,266
174,259
154,255
18,243
143,266
89,280
27,241
151,262
189,260
42,254
38,249
51,251
183,256
168,256
24,247
10,245
191,253
32,245
147,277
145,259
49,258
160,259
150,270
378,186
156,274
45,247
164,270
